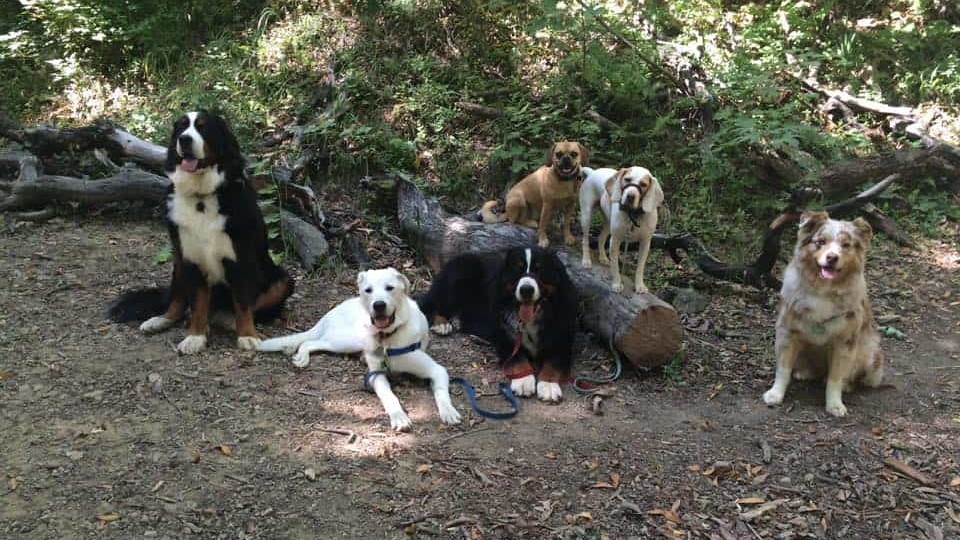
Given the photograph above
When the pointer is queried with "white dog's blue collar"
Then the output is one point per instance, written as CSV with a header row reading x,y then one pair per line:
x,y
403,350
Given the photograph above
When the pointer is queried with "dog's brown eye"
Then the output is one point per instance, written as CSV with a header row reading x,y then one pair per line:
x,y
200,122
846,245
368,290
389,287
183,122
573,154
819,243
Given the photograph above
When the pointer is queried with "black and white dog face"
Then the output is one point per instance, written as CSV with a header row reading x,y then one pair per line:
x,y
529,275
200,141
383,293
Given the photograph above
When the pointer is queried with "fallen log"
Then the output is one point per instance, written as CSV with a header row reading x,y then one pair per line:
x,y
47,140
645,329
127,184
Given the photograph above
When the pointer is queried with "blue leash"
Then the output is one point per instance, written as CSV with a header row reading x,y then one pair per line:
x,y
503,387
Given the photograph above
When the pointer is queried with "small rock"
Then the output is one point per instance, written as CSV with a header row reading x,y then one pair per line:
x,y
310,474
74,455
156,383
685,299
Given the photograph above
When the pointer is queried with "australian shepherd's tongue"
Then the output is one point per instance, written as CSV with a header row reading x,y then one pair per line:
x,y
828,272
189,164
526,311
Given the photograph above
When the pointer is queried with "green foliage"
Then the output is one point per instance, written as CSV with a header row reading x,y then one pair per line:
x,y
400,69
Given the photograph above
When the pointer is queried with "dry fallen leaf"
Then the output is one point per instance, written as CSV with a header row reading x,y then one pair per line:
x,y
13,483
550,455
615,479
424,468
225,450
107,518
694,468
955,482
670,515
586,516
876,431
751,500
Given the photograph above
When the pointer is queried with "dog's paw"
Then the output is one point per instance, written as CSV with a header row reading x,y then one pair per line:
x,y
586,262
773,397
399,421
549,391
524,386
837,409
442,329
569,240
248,343
544,242
641,289
617,286
156,324
602,258
302,358
192,344
448,414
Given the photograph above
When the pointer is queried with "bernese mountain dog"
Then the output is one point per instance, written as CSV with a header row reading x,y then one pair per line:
x,y
220,254
521,301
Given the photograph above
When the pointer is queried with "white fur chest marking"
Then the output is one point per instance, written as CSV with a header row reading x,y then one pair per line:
x,y
203,239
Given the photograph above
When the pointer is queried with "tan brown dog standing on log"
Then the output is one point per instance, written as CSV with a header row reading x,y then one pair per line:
x,y
548,189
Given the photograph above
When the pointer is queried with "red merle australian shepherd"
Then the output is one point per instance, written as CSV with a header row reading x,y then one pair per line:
x,y
523,302
220,256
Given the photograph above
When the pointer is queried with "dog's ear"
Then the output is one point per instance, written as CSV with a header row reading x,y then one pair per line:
x,y
653,197
863,229
584,155
403,279
812,220
361,277
550,153
614,184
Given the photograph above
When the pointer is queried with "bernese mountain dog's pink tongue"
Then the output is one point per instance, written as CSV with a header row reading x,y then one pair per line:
x,y
828,273
189,164
526,312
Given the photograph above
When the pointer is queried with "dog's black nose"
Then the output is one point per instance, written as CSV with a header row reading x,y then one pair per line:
x,y
526,292
379,306
832,258
186,142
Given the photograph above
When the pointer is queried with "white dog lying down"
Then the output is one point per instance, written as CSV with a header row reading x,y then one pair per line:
x,y
387,326
629,199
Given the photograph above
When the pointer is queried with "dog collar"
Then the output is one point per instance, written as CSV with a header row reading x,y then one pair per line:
x,y
402,350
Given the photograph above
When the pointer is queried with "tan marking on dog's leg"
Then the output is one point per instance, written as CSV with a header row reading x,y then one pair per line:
x,y
199,311
549,373
245,326
274,295
176,309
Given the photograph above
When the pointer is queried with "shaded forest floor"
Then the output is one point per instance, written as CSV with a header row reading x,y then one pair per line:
x,y
110,434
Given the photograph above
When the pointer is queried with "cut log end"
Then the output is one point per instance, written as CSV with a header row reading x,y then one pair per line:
x,y
653,338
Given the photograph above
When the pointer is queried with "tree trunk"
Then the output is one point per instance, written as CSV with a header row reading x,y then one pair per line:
x,y
645,329
306,239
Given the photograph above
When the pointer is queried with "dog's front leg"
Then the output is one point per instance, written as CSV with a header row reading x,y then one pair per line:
x,y
381,386
787,352
643,251
422,365
602,243
546,217
842,359
196,339
617,284
568,212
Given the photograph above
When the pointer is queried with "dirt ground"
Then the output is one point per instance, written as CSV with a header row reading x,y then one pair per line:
x,y
107,433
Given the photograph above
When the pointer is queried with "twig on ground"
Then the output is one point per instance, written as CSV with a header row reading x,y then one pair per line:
x,y
464,433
